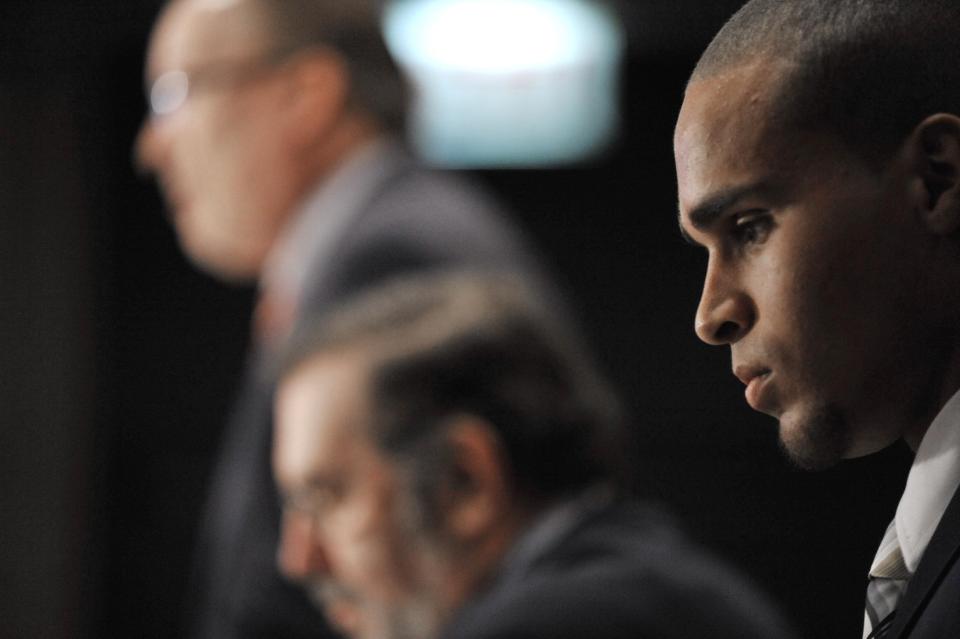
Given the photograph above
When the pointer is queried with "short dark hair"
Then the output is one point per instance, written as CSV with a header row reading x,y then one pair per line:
x,y
353,29
482,345
867,70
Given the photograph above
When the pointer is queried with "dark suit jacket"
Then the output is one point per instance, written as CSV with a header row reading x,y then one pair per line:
x,y
622,573
930,609
414,220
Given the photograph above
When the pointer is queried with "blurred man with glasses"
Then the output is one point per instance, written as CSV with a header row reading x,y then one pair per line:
x,y
450,462
270,135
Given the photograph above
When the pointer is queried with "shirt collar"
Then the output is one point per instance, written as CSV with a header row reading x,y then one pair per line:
x,y
313,230
931,483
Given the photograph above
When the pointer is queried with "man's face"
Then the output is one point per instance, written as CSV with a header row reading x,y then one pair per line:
x,y
814,268
219,153
348,531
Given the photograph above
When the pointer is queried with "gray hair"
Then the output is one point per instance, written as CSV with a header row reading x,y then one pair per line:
x,y
483,345
353,29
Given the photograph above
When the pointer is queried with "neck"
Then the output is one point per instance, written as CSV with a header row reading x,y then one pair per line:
x,y
305,170
944,382
469,568
351,132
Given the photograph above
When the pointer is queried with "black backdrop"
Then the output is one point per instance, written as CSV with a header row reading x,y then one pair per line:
x,y
118,359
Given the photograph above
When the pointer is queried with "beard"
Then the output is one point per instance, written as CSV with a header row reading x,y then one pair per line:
x,y
415,606
339,605
417,616
817,440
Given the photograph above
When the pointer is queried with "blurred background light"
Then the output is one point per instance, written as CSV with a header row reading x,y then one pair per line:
x,y
504,83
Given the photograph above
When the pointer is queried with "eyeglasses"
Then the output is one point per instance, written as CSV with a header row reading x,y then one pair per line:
x,y
171,89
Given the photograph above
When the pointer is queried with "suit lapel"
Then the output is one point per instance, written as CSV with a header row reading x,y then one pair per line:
x,y
939,556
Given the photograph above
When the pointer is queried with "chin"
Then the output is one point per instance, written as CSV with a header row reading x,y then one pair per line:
x,y
225,263
210,243
815,439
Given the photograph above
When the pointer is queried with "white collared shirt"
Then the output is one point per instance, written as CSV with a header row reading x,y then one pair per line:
x,y
933,479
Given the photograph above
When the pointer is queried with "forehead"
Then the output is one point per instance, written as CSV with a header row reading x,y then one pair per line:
x,y
191,32
734,136
731,120
322,417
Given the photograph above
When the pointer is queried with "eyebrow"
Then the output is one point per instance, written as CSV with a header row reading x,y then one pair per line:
x,y
305,489
310,482
709,211
320,481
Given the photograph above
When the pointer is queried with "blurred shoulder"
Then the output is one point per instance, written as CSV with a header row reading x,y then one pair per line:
x,y
627,572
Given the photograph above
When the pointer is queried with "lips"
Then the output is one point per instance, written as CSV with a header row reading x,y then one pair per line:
x,y
755,379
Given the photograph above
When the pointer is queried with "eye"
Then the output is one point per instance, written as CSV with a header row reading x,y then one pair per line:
x,y
752,228
316,499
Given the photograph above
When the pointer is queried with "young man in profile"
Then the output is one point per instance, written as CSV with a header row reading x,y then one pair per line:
x,y
818,163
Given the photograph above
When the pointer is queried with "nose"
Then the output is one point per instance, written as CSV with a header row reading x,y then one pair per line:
x,y
301,553
726,313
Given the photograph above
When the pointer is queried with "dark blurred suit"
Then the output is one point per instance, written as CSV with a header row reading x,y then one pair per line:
x,y
618,572
408,219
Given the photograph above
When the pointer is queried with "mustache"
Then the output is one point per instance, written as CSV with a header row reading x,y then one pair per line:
x,y
327,592
339,604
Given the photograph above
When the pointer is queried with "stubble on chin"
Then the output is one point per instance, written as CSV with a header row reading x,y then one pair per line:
x,y
338,605
817,440
419,617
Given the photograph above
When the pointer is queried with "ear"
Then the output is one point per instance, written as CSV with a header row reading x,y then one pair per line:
x,y
937,141
316,93
477,494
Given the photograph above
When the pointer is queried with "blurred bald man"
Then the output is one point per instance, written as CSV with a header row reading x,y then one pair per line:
x,y
270,134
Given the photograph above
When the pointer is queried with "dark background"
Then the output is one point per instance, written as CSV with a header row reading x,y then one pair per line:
x,y
118,360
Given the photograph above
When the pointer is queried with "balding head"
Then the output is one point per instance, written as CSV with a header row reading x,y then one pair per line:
x,y
353,30
254,103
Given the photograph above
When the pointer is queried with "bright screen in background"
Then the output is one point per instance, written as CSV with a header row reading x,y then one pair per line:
x,y
508,83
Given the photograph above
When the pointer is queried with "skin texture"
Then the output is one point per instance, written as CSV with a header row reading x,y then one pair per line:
x,y
254,135
824,277
352,533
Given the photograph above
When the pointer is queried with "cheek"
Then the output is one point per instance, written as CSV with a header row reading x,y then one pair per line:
x,y
369,550
830,302
210,143
799,290
859,288
221,172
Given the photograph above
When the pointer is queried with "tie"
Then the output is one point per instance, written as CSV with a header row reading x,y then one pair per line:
x,y
888,582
